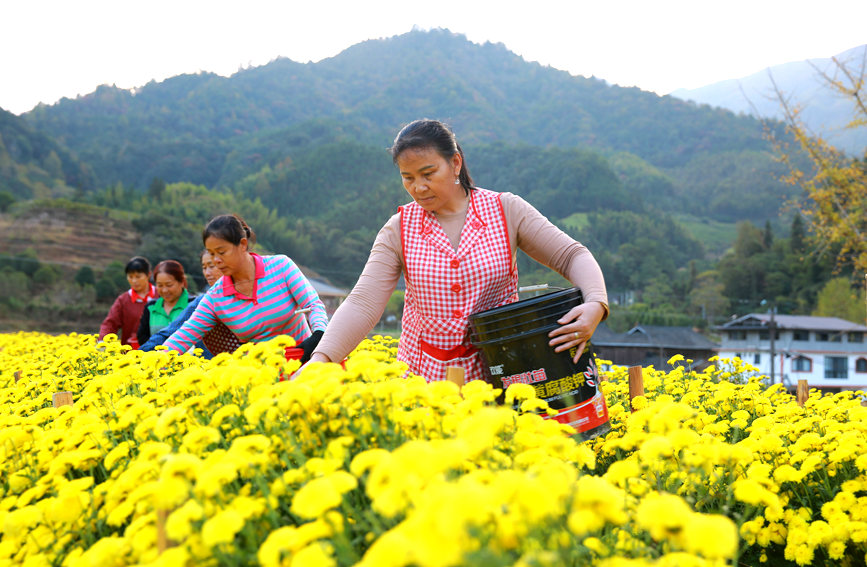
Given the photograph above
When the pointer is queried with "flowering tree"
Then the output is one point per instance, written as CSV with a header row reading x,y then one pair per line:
x,y
836,188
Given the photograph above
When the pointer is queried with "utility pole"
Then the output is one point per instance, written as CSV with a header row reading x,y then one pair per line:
x,y
772,328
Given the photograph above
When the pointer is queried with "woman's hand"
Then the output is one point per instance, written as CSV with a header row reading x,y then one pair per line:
x,y
577,326
309,344
315,357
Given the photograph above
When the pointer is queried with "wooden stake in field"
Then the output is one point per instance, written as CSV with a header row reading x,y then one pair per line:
x,y
61,399
455,375
803,392
163,541
636,383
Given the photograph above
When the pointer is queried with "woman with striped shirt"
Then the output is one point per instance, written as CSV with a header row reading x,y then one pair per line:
x,y
258,297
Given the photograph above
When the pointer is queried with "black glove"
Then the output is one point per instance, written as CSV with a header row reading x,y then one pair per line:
x,y
309,345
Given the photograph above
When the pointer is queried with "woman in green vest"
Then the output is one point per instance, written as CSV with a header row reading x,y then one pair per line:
x,y
171,284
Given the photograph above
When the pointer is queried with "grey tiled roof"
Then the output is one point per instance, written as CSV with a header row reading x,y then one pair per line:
x,y
653,336
805,322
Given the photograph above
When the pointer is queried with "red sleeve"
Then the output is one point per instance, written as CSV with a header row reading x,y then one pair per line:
x,y
114,320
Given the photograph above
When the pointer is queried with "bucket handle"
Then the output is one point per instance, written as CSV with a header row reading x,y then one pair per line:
x,y
540,287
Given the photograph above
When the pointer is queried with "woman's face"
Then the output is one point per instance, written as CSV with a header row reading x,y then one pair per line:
x,y
138,282
168,287
228,257
209,269
429,179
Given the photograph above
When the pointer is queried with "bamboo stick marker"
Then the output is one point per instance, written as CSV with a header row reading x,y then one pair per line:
x,y
61,399
803,392
17,375
163,541
455,375
636,383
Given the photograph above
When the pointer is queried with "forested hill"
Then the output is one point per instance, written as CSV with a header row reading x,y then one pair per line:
x,y
35,165
216,131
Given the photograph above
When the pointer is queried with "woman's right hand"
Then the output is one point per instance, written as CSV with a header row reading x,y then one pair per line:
x,y
314,358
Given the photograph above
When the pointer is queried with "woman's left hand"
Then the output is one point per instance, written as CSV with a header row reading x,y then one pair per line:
x,y
577,326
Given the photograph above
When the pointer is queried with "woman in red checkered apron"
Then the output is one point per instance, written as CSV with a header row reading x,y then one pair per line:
x,y
456,246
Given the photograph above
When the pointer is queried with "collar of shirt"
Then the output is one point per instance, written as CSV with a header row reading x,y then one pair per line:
x,y
136,298
180,304
229,285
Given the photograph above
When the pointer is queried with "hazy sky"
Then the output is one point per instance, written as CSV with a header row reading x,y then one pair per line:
x,y
51,49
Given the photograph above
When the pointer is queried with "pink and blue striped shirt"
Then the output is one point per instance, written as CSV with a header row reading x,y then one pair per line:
x,y
278,291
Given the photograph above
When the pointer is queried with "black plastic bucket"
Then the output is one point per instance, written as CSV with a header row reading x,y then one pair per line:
x,y
513,340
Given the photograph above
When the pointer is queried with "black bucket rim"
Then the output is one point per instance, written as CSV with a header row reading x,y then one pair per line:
x,y
523,303
488,325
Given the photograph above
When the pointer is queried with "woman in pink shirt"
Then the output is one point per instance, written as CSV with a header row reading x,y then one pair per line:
x,y
455,244
258,297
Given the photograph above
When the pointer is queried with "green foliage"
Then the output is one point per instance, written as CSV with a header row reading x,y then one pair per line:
x,y
34,165
556,181
839,298
732,185
393,309
25,261
622,318
715,236
115,275
84,276
777,270
634,249
357,180
645,180
106,289
707,298
45,276
6,200
15,286
157,189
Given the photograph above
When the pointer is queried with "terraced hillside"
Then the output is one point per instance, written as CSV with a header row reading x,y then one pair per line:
x,y
71,236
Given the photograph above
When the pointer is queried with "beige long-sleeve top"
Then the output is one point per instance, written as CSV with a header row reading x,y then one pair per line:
x,y
528,230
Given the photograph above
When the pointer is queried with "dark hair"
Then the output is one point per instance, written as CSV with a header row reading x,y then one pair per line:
x,y
436,135
172,268
138,264
230,228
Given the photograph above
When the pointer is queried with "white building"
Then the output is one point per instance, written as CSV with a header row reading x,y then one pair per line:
x,y
829,353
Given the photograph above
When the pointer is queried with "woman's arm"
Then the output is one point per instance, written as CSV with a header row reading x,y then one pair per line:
x,y
305,296
548,245
144,324
362,309
114,320
202,320
161,336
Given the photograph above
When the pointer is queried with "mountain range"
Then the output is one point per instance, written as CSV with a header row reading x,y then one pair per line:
x,y
215,131
801,84
656,186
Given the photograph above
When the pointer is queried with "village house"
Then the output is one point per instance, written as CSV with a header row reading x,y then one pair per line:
x,y
829,353
652,345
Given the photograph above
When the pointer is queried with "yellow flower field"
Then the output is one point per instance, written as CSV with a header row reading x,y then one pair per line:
x,y
175,460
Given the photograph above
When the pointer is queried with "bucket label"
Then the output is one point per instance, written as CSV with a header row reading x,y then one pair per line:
x,y
530,377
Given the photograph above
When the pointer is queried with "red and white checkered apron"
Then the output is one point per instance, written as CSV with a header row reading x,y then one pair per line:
x,y
444,287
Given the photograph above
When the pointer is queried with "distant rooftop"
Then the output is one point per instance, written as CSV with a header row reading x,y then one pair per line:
x,y
326,289
806,322
653,336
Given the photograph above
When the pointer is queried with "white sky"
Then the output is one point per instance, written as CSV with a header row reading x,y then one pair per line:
x,y
55,48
